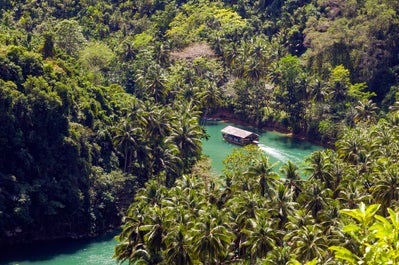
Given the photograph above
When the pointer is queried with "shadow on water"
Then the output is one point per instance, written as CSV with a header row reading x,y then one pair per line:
x,y
291,142
46,251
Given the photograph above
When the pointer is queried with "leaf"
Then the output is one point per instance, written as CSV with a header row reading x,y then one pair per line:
x,y
363,214
354,213
312,262
351,228
380,231
383,228
372,210
344,253
394,216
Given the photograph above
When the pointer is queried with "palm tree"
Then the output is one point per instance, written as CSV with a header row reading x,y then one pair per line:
x,y
210,97
253,70
279,255
210,240
245,206
152,80
151,195
165,160
161,51
263,171
297,220
316,199
127,140
337,173
292,177
309,242
319,168
178,250
318,91
331,219
366,111
131,238
154,228
156,120
350,195
261,237
350,147
187,134
386,187
230,54
282,204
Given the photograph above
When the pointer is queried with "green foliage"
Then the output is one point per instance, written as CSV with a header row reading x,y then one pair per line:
x,y
376,235
196,21
69,37
94,103
96,57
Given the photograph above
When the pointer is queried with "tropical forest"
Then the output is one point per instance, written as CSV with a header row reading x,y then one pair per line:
x,y
102,110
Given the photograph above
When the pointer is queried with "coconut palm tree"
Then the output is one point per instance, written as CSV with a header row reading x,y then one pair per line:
x,y
386,187
154,229
262,169
309,242
350,147
210,97
187,134
156,120
127,140
153,81
316,199
131,239
279,255
210,240
298,219
261,237
292,178
165,160
282,204
178,250
151,195
366,111
245,206
319,168
351,194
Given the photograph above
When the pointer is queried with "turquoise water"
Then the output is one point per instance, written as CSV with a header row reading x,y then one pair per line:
x,y
99,251
279,147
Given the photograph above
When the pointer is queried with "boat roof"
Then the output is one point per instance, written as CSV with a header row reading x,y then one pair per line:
x,y
237,132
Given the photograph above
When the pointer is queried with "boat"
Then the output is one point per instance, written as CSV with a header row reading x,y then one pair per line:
x,y
239,136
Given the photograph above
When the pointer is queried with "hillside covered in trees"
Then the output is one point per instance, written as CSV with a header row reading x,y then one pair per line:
x,y
100,107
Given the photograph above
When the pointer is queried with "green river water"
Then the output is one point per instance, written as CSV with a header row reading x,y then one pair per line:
x,y
99,251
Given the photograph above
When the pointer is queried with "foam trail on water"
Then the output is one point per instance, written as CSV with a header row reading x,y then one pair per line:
x,y
274,153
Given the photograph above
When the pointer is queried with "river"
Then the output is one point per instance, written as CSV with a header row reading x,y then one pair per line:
x,y
279,147
99,251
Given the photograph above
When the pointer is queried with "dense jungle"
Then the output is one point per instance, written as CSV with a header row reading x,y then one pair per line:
x,y
101,104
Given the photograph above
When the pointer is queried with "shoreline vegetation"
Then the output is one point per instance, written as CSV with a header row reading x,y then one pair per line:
x,y
230,117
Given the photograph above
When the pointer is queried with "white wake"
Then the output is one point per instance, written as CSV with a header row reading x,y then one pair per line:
x,y
278,154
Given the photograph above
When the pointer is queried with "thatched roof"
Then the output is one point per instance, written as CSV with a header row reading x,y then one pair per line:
x,y
237,132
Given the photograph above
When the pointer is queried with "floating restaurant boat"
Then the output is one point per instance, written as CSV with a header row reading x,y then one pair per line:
x,y
239,136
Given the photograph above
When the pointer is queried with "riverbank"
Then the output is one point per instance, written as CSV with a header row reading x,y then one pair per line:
x,y
230,117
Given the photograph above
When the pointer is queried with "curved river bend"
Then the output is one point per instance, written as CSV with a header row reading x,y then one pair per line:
x,y
100,250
